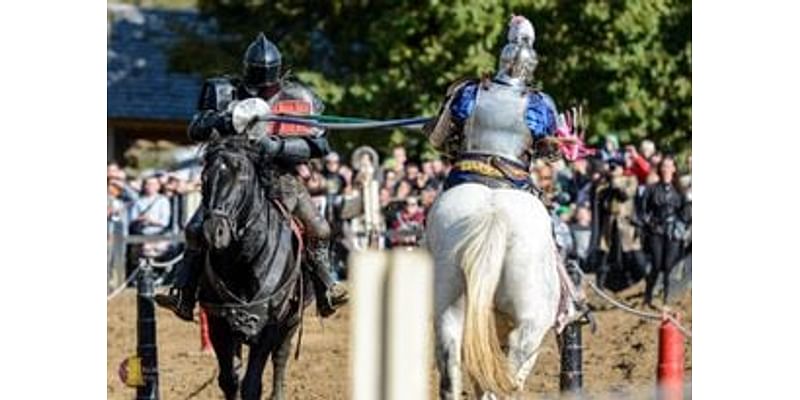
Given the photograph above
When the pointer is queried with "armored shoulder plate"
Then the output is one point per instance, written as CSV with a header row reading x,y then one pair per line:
x,y
291,90
295,98
439,129
217,94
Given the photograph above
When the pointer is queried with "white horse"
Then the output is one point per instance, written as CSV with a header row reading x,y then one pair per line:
x,y
495,256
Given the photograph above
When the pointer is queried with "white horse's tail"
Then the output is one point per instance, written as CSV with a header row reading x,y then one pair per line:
x,y
481,253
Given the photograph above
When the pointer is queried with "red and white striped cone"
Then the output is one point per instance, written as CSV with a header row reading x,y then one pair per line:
x,y
205,341
670,360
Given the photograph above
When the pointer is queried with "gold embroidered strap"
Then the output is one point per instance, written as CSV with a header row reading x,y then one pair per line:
x,y
487,169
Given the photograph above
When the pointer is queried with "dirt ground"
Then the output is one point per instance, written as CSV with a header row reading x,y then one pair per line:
x,y
619,360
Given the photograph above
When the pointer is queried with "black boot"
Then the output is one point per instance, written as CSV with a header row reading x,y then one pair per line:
x,y
183,295
329,294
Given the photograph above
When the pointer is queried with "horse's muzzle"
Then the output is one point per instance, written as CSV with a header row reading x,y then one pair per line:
x,y
218,232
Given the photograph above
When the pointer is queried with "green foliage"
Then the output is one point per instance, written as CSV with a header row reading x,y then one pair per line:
x,y
628,62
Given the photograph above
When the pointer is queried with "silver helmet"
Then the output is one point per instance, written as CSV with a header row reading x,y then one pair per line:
x,y
518,59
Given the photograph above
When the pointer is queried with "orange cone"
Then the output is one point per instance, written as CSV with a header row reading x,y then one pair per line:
x,y
670,361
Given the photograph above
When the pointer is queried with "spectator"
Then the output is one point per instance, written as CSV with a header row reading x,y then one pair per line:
x,y
416,179
656,158
390,181
335,182
403,189
610,150
582,234
667,217
427,169
400,159
647,148
347,175
440,170
150,214
173,191
408,225
429,194
636,164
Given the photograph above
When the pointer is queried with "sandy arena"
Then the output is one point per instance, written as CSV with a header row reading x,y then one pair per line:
x,y
619,360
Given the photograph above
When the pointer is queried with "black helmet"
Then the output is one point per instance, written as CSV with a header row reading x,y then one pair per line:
x,y
262,63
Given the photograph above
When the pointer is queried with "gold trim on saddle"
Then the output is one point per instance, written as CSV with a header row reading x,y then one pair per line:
x,y
489,169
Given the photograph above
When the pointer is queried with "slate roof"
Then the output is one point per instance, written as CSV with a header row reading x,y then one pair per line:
x,y
140,83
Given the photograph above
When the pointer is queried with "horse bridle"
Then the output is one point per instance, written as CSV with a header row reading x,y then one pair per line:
x,y
226,216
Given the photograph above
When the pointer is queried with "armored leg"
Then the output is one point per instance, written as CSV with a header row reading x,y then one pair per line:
x,y
329,294
183,295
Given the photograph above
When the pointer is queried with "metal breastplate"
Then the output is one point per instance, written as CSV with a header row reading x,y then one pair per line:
x,y
497,124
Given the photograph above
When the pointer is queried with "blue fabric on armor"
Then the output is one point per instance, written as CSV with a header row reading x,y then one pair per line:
x,y
464,102
540,116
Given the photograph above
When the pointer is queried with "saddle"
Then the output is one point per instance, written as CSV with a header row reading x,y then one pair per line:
x,y
492,171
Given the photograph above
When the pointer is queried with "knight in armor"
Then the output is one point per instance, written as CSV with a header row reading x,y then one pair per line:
x,y
489,127
262,78
666,215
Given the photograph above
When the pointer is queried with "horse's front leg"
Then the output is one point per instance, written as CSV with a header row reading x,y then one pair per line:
x,y
280,360
225,349
256,361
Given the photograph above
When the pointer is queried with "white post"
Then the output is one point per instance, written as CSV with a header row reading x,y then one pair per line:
x,y
391,324
408,331
367,270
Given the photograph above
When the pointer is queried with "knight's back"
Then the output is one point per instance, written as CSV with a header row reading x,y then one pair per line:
x,y
497,123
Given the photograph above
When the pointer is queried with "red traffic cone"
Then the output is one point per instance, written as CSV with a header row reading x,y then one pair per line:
x,y
670,361
205,341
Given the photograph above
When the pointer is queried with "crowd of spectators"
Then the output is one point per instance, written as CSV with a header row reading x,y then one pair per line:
x,y
595,202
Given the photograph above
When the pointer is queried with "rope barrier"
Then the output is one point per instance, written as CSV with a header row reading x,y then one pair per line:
x,y
165,264
628,309
124,285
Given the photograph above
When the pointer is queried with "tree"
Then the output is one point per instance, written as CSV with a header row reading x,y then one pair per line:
x,y
628,62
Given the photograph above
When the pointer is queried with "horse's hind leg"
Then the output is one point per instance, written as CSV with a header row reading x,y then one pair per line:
x,y
523,348
449,333
256,361
225,349
280,359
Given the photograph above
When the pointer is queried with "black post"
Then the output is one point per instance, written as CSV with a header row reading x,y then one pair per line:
x,y
572,347
146,334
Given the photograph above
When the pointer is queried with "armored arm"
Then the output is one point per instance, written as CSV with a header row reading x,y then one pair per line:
x,y
207,122
444,130
293,149
212,116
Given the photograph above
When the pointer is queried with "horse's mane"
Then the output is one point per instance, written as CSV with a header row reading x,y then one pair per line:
x,y
239,144
232,144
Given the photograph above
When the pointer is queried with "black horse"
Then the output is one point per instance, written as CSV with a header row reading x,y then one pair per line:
x,y
253,285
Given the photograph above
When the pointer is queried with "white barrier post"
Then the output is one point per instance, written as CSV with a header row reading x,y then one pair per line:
x,y
408,336
391,327
367,270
